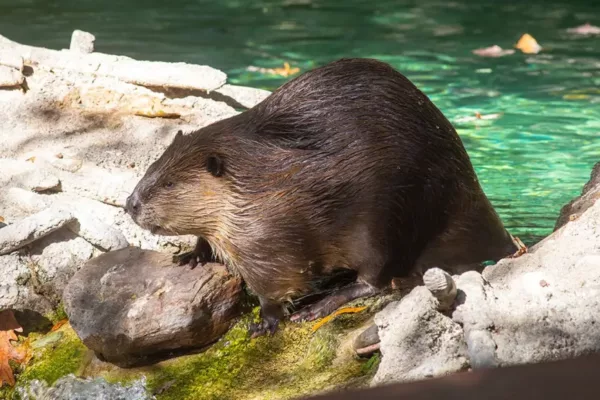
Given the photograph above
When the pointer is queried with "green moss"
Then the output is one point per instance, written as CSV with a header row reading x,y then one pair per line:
x,y
292,363
54,361
370,367
58,315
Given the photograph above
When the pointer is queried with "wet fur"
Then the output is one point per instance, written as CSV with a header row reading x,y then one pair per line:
x,y
348,165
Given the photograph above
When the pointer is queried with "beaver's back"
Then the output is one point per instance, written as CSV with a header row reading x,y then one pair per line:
x,y
350,161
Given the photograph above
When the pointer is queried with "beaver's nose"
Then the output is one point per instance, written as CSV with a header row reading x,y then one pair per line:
x,y
133,204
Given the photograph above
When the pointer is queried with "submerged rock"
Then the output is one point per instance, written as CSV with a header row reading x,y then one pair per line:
x,y
131,304
73,388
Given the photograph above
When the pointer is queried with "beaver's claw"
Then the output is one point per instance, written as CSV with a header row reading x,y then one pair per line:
x,y
262,328
190,258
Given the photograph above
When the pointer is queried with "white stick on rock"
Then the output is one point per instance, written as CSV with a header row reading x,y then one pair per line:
x,y
441,285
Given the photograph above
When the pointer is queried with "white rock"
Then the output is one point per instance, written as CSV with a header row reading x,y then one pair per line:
x,y
108,186
417,341
28,230
27,175
14,273
245,96
11,59
10,77
21,201
61,253
92,229
82,42
145,73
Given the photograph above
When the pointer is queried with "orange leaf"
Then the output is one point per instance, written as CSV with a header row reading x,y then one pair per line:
x,y
8,326
345,310
528,45
1,219
58,325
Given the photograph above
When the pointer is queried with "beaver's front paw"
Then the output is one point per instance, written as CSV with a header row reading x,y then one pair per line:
x,y
266,326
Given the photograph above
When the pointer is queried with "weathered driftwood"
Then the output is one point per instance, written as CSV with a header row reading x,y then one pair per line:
x,y
130,305
144,73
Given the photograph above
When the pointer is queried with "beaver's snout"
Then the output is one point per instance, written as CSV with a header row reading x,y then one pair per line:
x,y
133,205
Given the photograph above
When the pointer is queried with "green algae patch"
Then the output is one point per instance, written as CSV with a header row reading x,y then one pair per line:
x,y
58,315
292,363
54,355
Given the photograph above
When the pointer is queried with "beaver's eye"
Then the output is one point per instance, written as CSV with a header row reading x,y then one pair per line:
x,y
214,165
169,185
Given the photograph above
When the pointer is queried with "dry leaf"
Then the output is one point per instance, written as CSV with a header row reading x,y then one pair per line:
x,y
493,51
58,325
1,219
8,327
585,29
528,45
156,114
345,310
285,71
31,159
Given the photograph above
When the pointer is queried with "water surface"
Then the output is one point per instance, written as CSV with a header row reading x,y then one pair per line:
x,y
531,160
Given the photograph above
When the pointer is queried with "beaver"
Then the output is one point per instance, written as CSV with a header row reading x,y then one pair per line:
x,y
348,166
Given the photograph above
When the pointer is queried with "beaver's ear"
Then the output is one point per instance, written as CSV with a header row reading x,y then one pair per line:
x,y
178,135
214,165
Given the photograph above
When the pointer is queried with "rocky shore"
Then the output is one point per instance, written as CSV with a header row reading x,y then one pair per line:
x,y
79,128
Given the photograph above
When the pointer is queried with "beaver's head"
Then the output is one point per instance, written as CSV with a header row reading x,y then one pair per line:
x,y
185,191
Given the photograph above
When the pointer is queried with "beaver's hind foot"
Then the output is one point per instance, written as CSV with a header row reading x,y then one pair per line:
x,y
332,302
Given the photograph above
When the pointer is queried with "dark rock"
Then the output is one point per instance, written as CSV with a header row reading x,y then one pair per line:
x,y
577,206
132,305
367,342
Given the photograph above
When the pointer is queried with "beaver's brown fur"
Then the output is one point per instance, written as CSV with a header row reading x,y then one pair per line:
x,y
348,165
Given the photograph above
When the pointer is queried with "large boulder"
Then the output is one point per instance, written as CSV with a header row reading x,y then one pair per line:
x,y
541,306
417,341
130,305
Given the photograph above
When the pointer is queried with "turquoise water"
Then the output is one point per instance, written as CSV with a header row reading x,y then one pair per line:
x,y
531,160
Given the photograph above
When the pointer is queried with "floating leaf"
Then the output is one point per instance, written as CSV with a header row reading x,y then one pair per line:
x,y
285,71
528,45
585,29
493,51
